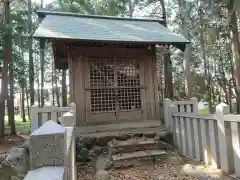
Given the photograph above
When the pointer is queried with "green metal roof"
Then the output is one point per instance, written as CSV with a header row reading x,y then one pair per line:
x,y
110,29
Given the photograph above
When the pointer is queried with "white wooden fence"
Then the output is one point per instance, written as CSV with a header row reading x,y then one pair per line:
x,y
40,115
213,138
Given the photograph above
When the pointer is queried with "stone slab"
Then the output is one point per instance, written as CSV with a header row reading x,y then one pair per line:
x,y
119,132
50,127
46,173
88,129
138,154
102,175
131,143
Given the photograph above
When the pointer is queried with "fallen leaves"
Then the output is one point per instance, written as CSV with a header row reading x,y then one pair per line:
x,y
169,168
148,172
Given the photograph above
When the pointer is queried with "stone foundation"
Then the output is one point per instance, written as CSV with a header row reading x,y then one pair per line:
x,y
88,149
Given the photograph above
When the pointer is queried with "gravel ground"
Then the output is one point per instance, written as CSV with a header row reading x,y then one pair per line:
x,y
169,168
172,167
147,172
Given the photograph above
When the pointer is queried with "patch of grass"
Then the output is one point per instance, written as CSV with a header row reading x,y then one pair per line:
x,y
17,118
204,111
21,127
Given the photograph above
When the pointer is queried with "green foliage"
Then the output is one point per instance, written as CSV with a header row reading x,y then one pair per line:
x,y
215,30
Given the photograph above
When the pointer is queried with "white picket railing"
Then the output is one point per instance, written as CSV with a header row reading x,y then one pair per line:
x,y
213,138
40,115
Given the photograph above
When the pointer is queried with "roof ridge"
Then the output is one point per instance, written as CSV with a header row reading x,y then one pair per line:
x,y
42,13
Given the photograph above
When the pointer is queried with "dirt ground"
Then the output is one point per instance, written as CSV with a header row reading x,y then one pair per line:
x,y
9,142
147,172
169,168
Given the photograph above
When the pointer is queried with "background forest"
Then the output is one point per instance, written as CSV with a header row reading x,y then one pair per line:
x,y
209,69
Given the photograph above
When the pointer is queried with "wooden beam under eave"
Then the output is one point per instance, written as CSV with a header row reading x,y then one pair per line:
x,y
60,55
61,65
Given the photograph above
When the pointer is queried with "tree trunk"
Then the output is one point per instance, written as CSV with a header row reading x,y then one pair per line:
x,y
28,107
11,110
168,79
53,87
31,64
23,104
230,97
131,7
234,35
42,58
7,54
56,88
205,61
42,3
58,96
22,82
188,50
64,89
38,91
8,109
11,97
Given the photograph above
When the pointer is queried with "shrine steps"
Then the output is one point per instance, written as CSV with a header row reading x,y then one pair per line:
x,y
137,151
122,144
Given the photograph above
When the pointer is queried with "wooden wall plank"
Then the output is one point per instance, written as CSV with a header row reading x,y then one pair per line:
x,y
71,76
79,93
113,51
79,79
156,102
143,83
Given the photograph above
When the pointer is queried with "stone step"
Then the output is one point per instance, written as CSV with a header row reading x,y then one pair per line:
x,y
131,145
125,131
135,158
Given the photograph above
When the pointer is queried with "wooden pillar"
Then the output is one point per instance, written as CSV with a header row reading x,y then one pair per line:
x,y
71,76
42,47
168,90
150,68
64,88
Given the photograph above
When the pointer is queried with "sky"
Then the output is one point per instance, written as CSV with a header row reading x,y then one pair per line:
x,y
44,1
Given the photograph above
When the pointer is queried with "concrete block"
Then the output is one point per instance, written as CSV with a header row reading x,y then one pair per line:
x,y
47,145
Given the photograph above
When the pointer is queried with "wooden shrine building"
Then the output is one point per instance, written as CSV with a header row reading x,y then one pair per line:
x,y
111,62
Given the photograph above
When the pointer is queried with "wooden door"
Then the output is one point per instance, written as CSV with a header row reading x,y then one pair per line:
x,y
128,89
114,89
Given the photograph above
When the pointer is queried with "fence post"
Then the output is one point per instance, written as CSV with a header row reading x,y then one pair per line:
x,y
166,104
72,107
194,101
223,133
69,121
34,118
172,122
236,146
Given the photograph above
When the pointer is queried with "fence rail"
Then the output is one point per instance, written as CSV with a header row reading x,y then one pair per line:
x,y
40,115
213,139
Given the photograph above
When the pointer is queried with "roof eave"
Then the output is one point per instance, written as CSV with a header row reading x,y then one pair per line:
x,y
42,13
180,45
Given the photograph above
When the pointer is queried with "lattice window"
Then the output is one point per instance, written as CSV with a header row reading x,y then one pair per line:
x,y
114,83
127,72
101,72
129,99
103,100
